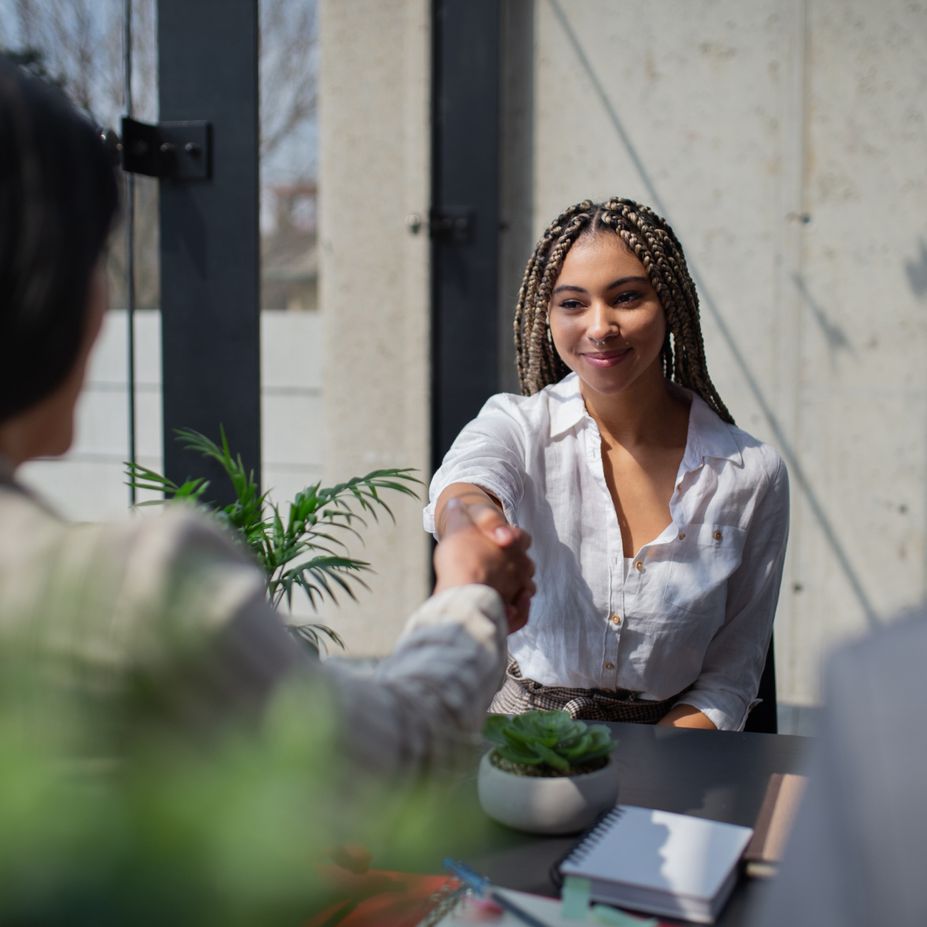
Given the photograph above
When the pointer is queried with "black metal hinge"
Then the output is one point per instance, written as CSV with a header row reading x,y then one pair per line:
x,y
451,223
169,150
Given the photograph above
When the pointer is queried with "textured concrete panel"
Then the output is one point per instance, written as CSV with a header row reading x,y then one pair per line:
x,y
374,172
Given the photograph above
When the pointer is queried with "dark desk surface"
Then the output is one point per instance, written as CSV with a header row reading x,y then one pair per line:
x,y
710,774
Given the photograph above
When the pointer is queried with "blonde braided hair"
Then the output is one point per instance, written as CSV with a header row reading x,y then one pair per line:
x,y
652,241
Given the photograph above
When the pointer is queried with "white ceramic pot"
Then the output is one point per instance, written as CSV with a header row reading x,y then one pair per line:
x,y
546,805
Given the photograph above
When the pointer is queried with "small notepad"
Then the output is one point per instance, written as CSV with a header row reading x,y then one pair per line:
x,y
660,862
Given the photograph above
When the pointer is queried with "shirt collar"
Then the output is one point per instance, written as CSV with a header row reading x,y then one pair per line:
x,y
566,405
708,435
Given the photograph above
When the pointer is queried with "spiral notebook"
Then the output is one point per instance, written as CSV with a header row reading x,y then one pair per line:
x,y
659,862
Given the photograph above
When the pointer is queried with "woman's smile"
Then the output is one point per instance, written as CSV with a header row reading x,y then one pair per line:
x,y
610,358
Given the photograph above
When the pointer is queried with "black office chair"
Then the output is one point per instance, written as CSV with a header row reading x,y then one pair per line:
x,y
764,719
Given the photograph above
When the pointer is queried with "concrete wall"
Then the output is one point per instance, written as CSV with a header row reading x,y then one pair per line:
x,y
374,290
785,140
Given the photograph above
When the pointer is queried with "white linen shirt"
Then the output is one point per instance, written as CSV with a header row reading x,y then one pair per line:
x,y
693,610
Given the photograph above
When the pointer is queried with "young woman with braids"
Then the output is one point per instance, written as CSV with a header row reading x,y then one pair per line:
x,y
659,527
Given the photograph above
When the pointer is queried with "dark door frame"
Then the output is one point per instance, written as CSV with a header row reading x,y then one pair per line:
x,y
210,247
464,221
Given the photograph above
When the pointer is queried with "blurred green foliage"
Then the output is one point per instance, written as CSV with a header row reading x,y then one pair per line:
x,y
235,827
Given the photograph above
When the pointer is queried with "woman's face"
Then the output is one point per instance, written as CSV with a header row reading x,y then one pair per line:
x,y
605,319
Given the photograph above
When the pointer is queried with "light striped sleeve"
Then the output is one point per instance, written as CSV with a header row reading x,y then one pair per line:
x,y
204,619
425,704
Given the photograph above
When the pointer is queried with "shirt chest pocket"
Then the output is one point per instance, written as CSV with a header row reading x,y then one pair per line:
x,y
698,565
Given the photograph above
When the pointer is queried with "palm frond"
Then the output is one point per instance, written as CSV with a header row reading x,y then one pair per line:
x,y
314,635
320,577
143,478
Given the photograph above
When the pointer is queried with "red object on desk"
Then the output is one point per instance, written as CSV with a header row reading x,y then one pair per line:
x,y
380,898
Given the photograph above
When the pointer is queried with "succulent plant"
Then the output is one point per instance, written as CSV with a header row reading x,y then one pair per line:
x,y
547,743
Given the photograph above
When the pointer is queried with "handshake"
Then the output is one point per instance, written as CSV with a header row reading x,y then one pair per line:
x,y
479,546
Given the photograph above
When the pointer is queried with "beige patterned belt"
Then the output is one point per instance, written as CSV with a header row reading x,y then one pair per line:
x,y
519,694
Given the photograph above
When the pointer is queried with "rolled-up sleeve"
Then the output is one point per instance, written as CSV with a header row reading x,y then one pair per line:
x,y
489,453
726,687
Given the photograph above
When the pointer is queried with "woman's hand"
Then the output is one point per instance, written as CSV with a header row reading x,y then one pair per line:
x,y
474,548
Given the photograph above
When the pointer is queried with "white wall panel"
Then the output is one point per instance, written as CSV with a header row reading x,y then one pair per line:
x,y
374,287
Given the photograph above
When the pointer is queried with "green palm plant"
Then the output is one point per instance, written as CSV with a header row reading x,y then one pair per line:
x,y
301,548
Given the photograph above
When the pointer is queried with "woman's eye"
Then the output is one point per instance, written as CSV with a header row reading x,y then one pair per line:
x,y
571,304
627,297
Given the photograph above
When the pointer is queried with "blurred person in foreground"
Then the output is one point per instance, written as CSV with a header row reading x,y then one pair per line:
x,y
165,617
856,856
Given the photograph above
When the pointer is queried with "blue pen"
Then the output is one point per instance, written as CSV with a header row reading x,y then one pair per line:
x,y
483,887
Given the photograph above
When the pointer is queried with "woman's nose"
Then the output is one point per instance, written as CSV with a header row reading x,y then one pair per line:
x,y
601,323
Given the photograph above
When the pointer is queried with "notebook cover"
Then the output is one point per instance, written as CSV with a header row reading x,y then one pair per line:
x,y
660,861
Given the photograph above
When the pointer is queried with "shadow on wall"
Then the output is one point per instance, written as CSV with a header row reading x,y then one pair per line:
x,y
832,332
797,473
916,269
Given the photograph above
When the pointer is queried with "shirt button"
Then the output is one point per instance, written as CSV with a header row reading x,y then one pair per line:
x,y
615,619
609,665
639,566
717,535
681,535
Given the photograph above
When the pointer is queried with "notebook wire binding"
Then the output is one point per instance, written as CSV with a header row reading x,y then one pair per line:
x,y
581,848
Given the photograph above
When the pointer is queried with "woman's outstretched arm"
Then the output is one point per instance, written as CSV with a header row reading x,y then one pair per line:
x,y
484,511
483,507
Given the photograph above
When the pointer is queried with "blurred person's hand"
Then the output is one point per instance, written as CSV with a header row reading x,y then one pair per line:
x,y
481,547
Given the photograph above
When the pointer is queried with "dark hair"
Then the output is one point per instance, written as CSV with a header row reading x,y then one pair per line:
x,y
58,200
651,240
